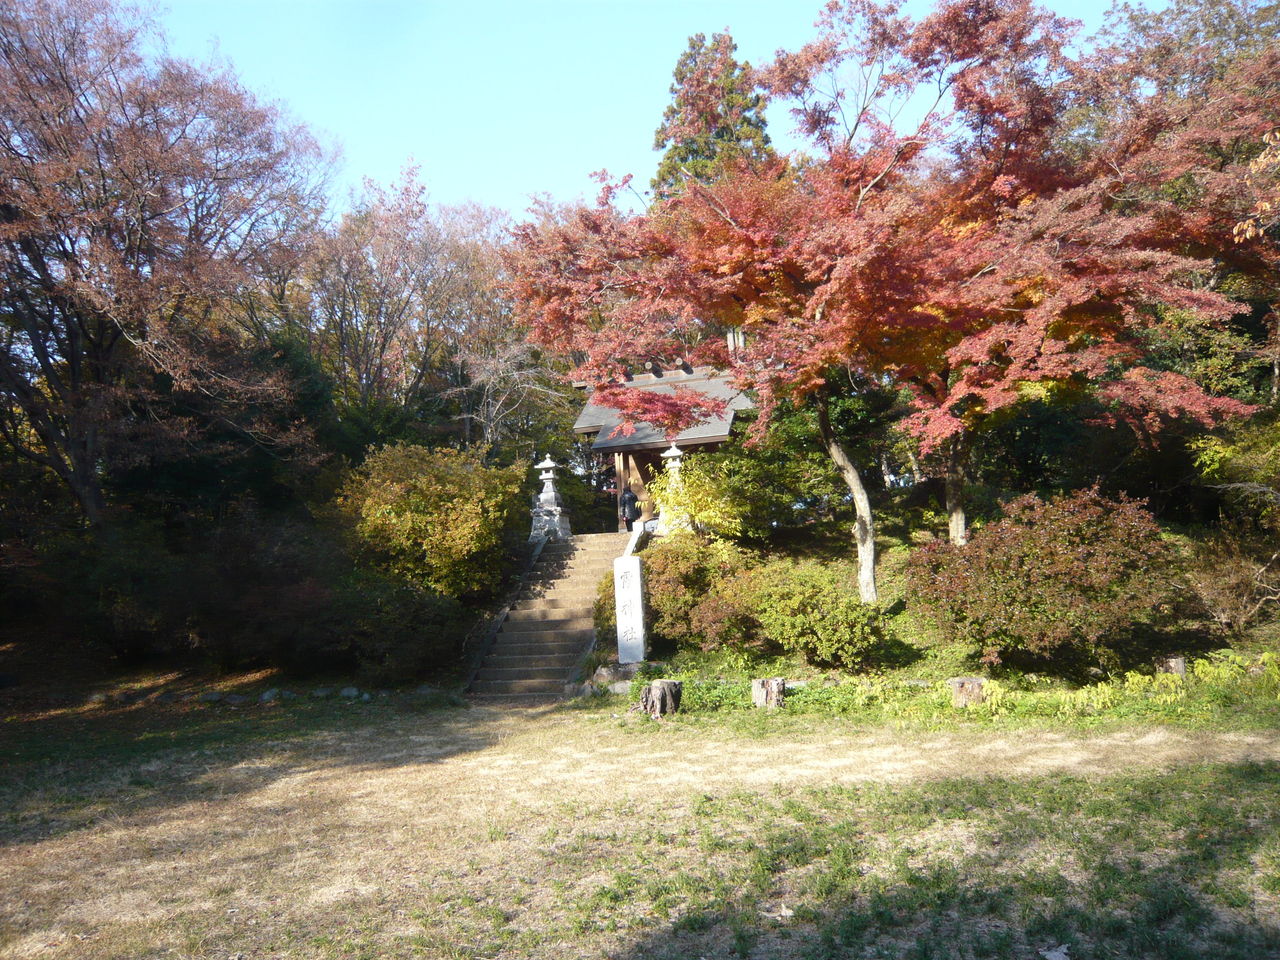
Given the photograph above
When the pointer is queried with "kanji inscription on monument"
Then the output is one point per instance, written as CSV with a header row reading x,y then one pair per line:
x,y
629,600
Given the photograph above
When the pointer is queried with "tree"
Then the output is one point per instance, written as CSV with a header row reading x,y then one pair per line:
x,y
404,304
716,116
505,392
1264,170
964,256
375,288
1185,99
437,517
135,195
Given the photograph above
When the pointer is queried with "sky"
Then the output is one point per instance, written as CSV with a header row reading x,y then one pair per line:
x,y
494,102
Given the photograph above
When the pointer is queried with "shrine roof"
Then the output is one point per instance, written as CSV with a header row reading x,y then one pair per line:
x,y
603,421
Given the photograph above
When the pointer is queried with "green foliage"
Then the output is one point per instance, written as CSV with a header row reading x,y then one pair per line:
x,y
258,588
716,115
1225,359
605,609
813,609
398,631
1223,689
590,510
439,518
679,572
701,493
738,493
727,616
1245,460
711,595
1074,575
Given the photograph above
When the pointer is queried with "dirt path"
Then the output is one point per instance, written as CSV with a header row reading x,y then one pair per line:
x,y
565,757
504,759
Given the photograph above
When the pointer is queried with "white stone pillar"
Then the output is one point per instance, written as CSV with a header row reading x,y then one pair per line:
x,y
628,594
549,519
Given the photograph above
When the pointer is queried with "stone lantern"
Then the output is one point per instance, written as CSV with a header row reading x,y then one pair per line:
x,y
549,518
669,520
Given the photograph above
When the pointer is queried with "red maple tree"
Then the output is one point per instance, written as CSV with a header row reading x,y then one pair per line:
x,y
965,255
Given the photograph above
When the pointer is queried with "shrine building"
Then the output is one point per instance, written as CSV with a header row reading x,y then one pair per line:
x,y
637,457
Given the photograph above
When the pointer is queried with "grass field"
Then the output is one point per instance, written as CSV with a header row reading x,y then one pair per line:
x,y
399,829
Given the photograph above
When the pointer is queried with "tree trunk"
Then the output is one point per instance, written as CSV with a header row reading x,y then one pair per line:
x,y
1275,358
954,484
967,691
917,475
660,697
769,693
864,526
88,493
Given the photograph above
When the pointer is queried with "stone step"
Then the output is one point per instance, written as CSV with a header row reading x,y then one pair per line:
x,y
559,597
582,553
580,635
581,612
513,625
513,661
558,603
524,673
584,550
549,628
581,575
585,585
588,555
514,648
559,589
582,556
524,627
538,612
519,688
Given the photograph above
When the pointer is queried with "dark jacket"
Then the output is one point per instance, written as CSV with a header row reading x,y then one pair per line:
x,y
630,506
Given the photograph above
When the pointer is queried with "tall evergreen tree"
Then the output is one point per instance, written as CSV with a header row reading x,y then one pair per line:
x,y
716,114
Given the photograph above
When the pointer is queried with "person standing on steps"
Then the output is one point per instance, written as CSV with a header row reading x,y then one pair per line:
x,y
630,507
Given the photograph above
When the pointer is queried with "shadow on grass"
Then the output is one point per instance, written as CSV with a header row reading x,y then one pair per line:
x,y
66,767
1178,867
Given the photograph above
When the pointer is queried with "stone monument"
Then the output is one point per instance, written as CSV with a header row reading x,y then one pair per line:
x,y
628,593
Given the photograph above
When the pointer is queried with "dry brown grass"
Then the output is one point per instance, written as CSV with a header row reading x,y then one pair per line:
x,y
485,832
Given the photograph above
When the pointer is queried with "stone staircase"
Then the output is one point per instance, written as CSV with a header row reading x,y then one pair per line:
x,y
549,629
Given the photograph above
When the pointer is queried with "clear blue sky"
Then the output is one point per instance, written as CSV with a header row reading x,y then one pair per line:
x,y
494,101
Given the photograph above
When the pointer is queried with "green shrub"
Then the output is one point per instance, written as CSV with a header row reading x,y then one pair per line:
x,y
727,616
439,518
1243,461
735,493
605,610
399,632
679,572
813,609
122,589
258,588
1077,574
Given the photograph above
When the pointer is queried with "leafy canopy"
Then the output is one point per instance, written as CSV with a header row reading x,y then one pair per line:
x,y
716,116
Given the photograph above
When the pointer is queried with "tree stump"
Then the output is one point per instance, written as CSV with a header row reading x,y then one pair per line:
x,y
768,693
1175,665
660,697
966,691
